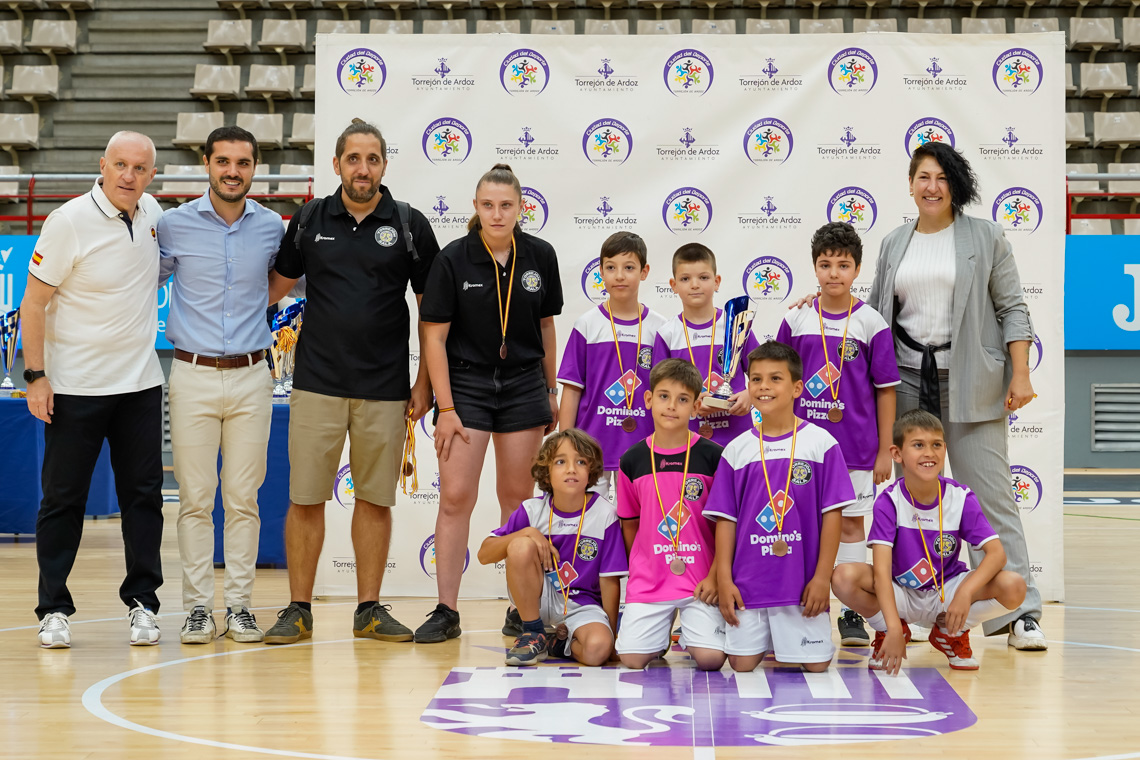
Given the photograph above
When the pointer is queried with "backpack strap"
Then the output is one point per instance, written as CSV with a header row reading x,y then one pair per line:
x,y
402,211
305,215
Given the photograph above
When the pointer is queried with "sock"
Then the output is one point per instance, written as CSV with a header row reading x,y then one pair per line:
x,y
855,551
306,606
983,610
366,606
533,626
877,622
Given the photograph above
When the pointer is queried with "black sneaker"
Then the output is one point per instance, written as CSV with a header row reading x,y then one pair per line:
x,y
512,626
851,630
442,624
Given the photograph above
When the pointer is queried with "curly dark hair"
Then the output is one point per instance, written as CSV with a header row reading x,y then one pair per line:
x,y
836,238
959,176
582,442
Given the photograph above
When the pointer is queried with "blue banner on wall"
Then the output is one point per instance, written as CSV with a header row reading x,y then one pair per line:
x,y
15,256
1102,292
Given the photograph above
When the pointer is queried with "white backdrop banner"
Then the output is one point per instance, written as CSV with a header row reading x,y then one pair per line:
x,y
744,143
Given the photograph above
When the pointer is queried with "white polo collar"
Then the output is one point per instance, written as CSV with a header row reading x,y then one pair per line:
x,y
104,203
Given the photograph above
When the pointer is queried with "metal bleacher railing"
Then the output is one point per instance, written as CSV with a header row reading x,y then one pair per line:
x,y
1075,196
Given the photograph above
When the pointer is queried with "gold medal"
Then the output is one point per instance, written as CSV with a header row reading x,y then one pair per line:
x,y
780,548
677,566
629,424
504,311
705,431
835,414
409,469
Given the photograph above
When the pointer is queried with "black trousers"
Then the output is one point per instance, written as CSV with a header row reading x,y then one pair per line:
x,y
132,425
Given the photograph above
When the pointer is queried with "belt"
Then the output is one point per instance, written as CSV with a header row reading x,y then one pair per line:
x,y
929,390
220,362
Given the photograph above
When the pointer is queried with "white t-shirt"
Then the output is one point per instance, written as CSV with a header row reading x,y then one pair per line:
x,y
925,287
102,320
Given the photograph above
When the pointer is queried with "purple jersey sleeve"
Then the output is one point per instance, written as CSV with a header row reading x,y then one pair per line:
x,y
884,365
660,348
784,334
723,499
613,560
835,489
573,369
628,507
883,527
974,528
517,521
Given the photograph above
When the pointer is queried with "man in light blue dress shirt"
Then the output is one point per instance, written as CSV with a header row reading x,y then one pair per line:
x,y
219,250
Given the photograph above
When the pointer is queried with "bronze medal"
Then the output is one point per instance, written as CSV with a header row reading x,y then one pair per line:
x,y
409,469
503,350
677,565
705,430
835,414
780,548
629,424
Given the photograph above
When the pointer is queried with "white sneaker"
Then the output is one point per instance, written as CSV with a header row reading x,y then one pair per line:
x,y
199,627
1026,634
144,626
55,631
241,626
919,633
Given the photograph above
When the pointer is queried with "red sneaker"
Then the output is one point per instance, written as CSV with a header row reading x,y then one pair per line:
x,y
956,648
876,661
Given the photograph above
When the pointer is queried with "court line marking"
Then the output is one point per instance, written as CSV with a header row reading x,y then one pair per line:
x,y
1097,646
1100,609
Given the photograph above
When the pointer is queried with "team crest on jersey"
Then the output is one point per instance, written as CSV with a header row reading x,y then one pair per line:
x,y
694,487
946,545
645,357
587,549
850,349
531,281
801,472
386,236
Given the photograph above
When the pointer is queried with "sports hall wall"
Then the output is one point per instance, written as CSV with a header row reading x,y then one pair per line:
x,y
745,144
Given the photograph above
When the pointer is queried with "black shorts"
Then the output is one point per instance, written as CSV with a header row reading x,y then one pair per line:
x,y
499,399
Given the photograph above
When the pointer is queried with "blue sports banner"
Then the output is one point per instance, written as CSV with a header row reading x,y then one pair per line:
x,y
1102,292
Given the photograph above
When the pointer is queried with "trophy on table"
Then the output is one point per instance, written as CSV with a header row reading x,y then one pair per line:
x,y
737,324
9,337
286,326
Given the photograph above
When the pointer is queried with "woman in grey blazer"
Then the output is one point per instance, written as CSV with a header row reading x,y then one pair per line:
x,y
948,285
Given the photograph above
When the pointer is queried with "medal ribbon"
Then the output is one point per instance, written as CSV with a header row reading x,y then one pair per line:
x,y
941,560
504,312
833,385
617,348
409,456
787,486
675,540
549,529
712,348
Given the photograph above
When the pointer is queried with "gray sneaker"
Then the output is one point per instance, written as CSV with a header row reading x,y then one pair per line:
x,y
241,626
199,627
377,623
293,624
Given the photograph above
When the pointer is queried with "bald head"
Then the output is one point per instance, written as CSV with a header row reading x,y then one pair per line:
x,y
127,167
134,139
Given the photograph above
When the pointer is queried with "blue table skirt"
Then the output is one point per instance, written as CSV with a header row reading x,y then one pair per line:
x,y
21,461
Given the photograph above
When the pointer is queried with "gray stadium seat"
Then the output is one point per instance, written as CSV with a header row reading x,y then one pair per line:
x,y
1035,25
498,26
271,82
1092,33
290,5
1070,88
1130,37
11,36
19,131
70,6
1075,134
874,25
308,81
714,26
1132,226
193,128
34,83
304,131
1091,227
260,188
238,5
390,26
228,36
268,128
1083,186
185,190
768,26
294,188
983,25
1105,79
9,190
51,36
607,26
1124,186
928,26
215,83
821,26
445,26
283,36
660,26
344,6
338,26
1120,129
552,26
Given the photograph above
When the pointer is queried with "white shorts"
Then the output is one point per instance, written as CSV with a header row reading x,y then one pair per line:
x,y
645,626
863,481
922,606
784,631
577,615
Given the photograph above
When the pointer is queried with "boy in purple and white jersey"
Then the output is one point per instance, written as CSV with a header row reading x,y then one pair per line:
x,y
605,366
776,499
697,336
851,374
565,556
918,576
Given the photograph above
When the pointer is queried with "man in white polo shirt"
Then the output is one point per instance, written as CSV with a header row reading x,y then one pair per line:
x,y
89,318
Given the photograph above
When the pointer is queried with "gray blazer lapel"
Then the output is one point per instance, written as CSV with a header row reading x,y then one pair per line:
x,y
893,259
964,274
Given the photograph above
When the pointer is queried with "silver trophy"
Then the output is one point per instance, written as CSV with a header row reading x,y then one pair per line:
x,y
9,338
286,326
737,324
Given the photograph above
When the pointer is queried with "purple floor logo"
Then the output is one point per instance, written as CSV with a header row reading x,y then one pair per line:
x,y
768,279
680,707
447,141
855,206
1018,209
524,72
607,141
593,286
1017,71
1026,486
852,71
928,129
687,209
361,72
534,212
768,141
427,557
343,490
688,72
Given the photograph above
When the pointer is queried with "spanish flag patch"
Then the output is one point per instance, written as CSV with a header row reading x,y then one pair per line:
x,y
37,257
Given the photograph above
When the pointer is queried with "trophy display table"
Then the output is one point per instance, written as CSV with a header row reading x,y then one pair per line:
x,y
272,497
22,441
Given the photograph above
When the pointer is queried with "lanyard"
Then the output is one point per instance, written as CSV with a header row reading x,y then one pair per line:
x,y
833,385
674,538
776,508
563,587
941,560
504,312
409,457
632,383
712,348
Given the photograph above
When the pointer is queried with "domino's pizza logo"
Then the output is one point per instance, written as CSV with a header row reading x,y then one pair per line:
x,y
343,490
1017,71
819,382
687,209
855,206
1036,353
593,286
607,141
623,388
1017,209
928,129
768,141
852,71
563,577
669,527
524,72
427,557
446,141
768,279
361,72
918,576
1027,489
688,72
533,211
779,506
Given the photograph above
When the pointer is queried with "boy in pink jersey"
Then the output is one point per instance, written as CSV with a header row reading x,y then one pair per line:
x,y
663,483
916,540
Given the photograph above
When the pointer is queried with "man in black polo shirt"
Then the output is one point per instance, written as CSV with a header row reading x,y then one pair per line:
x,y
351,374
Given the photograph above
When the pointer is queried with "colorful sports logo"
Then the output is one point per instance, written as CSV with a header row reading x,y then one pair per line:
x,y
668,527
928,129
592,283
533,212
563,577
688,72
768,279
687,209
1026,486
855,206
1017,71
779,506
361,72
587,549
343,490
1018,209
801,472
447,141
524,72
623,387
531,281
768,141
919,575
427,557
946,546
818,383
852,70
607,141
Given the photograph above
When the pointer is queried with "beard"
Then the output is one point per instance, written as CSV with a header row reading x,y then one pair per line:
x,y
229,194
359,196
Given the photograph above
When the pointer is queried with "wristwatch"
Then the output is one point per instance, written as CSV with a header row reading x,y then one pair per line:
x,y
552,391
32,375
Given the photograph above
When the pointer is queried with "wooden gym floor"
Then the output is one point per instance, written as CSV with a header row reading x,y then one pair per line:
x,y
339,697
